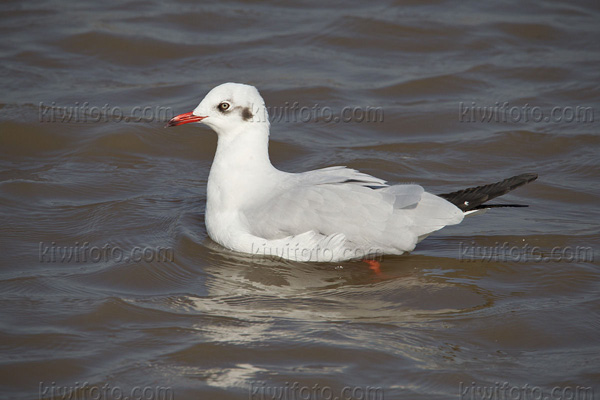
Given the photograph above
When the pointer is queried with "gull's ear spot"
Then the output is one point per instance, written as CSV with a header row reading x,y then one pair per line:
x,y
247,114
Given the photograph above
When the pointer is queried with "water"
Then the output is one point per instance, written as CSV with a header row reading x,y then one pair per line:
x,y
505,300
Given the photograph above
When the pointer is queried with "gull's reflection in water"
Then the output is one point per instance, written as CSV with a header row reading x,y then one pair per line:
x,y
245,286
256,308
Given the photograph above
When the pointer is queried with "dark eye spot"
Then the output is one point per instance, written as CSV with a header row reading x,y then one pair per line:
x,y
247,114
224,106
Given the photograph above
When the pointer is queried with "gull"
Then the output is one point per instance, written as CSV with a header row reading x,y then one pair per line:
x,y
326,215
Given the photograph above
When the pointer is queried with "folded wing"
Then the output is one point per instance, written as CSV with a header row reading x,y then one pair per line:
x,y
367,211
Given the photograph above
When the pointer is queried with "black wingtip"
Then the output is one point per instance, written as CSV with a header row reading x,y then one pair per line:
x,y
529,177
474,197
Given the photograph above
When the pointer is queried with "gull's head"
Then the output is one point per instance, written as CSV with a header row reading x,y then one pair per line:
x,y
228,109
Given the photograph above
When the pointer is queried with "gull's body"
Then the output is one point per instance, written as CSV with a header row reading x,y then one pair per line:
x,y
329,214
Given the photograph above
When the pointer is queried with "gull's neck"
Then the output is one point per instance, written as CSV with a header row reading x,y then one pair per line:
x,y
241,169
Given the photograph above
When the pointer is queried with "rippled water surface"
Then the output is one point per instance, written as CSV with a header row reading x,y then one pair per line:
x,y
174,314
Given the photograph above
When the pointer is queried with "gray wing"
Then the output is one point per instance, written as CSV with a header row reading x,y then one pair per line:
x,y
363,208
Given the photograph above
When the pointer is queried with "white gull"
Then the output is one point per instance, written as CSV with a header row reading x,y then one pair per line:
x,y
325,215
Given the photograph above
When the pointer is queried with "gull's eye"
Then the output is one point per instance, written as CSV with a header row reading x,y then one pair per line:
x,y
224,106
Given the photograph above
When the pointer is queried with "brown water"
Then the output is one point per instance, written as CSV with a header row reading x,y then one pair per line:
x,y
188,320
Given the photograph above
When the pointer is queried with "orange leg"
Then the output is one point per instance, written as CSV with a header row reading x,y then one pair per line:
x,y
374,266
